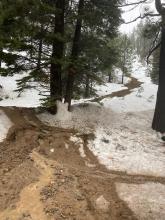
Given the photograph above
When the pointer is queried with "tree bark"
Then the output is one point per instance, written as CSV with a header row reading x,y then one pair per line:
x,y
87,87
110,77
57,56
74,55
1,50
158,123
39,54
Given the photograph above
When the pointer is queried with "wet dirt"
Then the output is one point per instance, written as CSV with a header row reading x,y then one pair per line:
x,y
44,177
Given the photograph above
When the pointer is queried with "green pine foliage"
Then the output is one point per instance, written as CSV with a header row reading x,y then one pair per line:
x,y
27,37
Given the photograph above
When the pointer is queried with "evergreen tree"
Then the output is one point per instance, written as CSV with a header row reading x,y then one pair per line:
x,y
53,40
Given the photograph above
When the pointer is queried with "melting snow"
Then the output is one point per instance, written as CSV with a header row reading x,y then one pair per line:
x,y
5,124
78,141
140,99
108,88
147,200
9,97
130,147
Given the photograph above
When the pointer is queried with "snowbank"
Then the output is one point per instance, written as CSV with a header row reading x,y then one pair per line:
x,y
5,124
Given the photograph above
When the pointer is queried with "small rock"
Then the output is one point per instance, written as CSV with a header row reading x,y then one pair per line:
x,y
102,204
52,150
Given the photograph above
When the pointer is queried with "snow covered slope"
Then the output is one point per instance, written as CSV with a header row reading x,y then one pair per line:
x,y
141,99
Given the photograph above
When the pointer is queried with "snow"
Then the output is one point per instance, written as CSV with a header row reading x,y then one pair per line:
x,y
5,124
146,200
83,117
140,99
28,98
62,112
130,146
102,204
108,88
124,140
78,141
117,76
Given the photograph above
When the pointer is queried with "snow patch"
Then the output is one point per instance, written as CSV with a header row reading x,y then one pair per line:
x,y
147,200
78,141
66,146
5,124
117,78
8,97
130,146
140,99
52,150
108,88
83,118
62,112
102,204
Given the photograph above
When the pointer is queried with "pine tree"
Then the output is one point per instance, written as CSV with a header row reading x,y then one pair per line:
x,y
49,39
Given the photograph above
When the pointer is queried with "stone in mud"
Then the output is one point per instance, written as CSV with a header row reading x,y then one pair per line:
x,y
102,204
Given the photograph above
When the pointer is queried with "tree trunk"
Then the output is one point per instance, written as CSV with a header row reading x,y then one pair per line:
x,y
39,55
123,72
122,80
74,55
57,56
110,77
87,87
1,50
158,123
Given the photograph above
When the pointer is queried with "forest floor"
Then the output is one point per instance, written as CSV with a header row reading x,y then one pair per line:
x,y
50,173
40,184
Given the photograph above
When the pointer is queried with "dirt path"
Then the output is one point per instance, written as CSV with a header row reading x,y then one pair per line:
x,y
43,176
133,84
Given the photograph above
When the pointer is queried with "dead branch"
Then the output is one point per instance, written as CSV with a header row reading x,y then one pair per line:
x,y
151,51
142,17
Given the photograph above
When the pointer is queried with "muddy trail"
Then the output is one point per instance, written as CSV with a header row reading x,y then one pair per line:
x,y
43,176
133,84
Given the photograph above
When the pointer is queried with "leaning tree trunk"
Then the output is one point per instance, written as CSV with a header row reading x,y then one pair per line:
x,y
158,123
57,56
74,55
